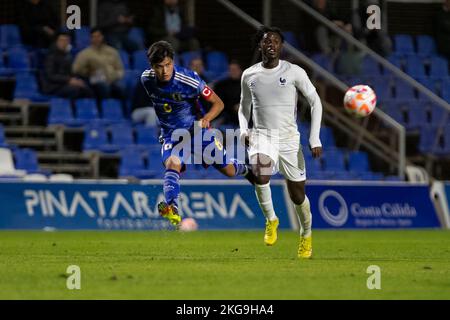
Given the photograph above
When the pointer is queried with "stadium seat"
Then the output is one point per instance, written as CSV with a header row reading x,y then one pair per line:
x,y
437,115
137,35
125,58
415,66
4,71
86,110
132,165
82,37
427,138
61,113
416,116
188,56
26,159
429,84
323,60
217,64
327,137
3,143
19,60
112,111
382,88
121,136
358,162
334,161
404,44
146,136
291,38
27,88
140,61
7,167
95,138
438,67
370,67
403,90
9,36
426,45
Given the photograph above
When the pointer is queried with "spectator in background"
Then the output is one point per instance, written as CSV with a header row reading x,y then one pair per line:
x,y
38,23
57,77
325,41
166,23
115,19
442,25
198,66
101,64
229,90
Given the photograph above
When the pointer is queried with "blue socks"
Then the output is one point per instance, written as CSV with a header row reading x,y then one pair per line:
x,y
240,169
171,186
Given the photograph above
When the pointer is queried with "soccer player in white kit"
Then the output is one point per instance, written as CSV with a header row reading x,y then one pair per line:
x,y
269,97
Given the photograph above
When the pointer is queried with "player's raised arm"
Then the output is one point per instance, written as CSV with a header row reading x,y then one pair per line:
x,y
216,108
308,90
244,110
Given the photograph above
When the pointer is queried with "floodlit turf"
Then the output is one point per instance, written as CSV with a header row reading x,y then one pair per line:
x,y
224,265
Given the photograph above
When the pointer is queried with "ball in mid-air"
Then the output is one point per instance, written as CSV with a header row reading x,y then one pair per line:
x,y
360,100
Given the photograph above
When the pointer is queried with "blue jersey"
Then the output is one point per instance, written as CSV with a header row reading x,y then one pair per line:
x,y
176,102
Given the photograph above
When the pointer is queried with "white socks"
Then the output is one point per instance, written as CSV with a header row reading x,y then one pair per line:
x,y
304,213
264,196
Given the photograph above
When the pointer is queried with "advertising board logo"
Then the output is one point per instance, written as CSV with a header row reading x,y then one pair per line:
x,y
336,219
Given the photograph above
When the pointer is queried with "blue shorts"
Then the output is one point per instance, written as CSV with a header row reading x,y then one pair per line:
x,y
202,148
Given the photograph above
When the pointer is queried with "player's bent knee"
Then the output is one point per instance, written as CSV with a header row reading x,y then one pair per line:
x,y
262,179
298,199
173,163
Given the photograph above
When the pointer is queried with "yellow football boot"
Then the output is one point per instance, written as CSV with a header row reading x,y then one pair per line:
x,y
305,247
170,212
270,236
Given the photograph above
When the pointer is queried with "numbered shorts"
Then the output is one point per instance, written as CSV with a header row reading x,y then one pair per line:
x,y
287,155
202,149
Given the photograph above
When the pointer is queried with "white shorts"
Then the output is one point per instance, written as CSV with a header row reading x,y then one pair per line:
x,y
287,155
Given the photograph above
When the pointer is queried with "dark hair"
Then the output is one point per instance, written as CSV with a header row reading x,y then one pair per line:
x,y
235,61
63,33
96,29
158,51
263,30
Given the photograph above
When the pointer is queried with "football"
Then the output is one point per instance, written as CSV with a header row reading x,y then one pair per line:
x,y
360,100
188,224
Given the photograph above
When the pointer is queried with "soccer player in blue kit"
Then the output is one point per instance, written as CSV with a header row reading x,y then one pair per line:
x,y
175,92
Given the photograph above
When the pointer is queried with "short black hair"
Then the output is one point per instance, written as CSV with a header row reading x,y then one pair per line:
x,y
96,29
160,50
63,33
265,29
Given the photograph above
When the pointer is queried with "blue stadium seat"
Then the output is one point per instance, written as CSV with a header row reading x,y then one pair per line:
x,y
403,90
416,116
122,136
26,159
427,138
429,84
9,36
217,64
358,162
18,59
404,44
415,66
132,165
125,58
438,67
334,161
188,56
27,88
140,61
323,60
382,88
112,111
146,136
86,110
370,67
137,35
82,37
3,143
291,38
95,138
426,45
61,113
326,137
437,115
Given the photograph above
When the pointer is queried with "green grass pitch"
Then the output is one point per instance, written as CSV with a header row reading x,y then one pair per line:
x,y
224,265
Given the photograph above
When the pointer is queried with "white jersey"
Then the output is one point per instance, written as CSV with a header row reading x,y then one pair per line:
x,y
273,95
